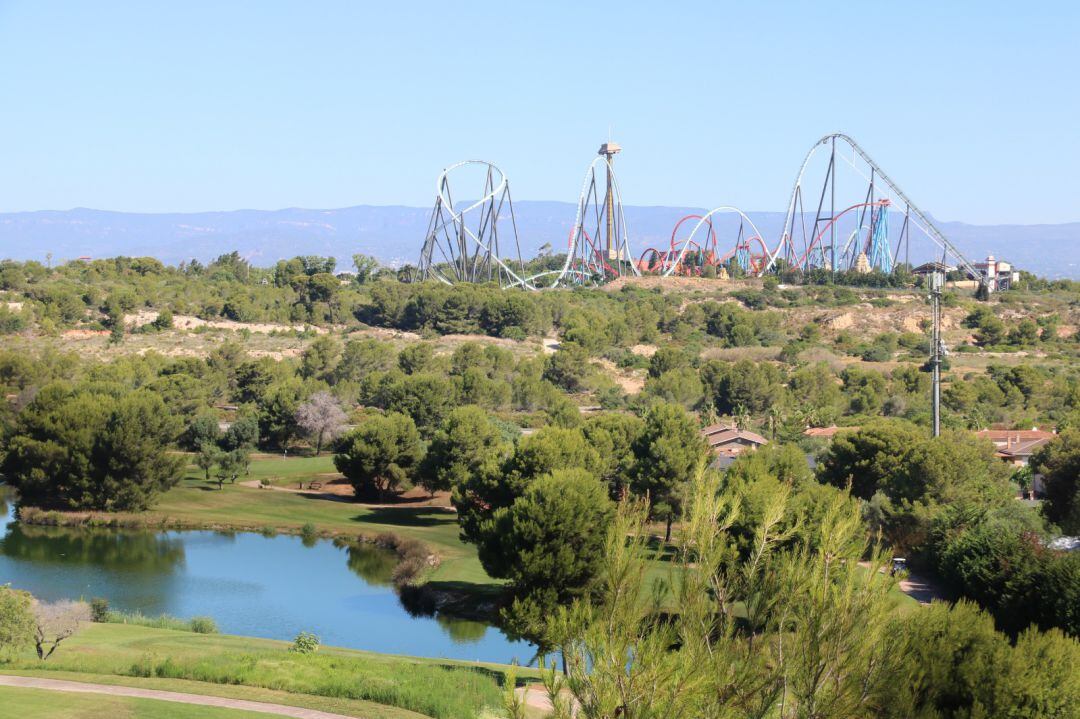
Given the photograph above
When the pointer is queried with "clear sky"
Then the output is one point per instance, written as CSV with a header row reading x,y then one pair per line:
x,y
973,107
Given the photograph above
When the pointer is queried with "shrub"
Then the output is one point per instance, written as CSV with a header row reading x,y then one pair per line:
x,y
203,625
305,643
99,610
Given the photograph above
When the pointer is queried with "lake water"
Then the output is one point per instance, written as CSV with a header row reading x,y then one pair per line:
x,y
253,585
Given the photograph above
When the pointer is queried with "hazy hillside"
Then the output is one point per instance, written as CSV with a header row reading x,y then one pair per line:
x,y
394,234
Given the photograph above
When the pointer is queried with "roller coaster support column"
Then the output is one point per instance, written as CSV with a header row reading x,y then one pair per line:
x,y
611,243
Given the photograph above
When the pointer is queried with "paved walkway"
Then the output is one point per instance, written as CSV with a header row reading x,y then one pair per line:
x,y
61,685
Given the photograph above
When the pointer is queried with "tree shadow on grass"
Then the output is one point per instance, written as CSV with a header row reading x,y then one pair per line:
x,y
395,516
660,551
407,517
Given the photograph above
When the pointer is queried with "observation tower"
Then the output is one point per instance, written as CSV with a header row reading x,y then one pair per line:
x,y
611,241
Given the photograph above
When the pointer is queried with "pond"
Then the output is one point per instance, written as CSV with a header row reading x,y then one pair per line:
x,y
253,585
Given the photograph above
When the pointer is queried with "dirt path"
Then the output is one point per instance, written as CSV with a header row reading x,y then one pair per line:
x,y
254,484
62,685
920,588
535,696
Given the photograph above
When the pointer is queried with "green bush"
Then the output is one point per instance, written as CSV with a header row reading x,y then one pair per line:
x,y
305,643
99,610
203,625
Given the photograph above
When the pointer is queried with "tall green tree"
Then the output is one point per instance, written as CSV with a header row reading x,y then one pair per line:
x,y
243,433
320,358
569,367
204,429
467,447
612,435
367,268
668,452
482,494
549,544
277,411
379,455
207,458
77,448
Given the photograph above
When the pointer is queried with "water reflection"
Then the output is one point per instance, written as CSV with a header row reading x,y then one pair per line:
x,y
134,552
373,565
462,631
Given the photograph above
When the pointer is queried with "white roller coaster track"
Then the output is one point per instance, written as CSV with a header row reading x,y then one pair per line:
x,y
920,219
576,232
457,220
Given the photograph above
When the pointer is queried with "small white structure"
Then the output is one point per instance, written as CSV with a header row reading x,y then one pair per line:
x,y
999,273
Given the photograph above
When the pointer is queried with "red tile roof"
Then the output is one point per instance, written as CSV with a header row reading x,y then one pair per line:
x,y
1014,435
1016,442
718,435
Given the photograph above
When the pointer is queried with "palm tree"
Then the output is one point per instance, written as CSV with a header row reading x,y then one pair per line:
x,y
773,419
741,415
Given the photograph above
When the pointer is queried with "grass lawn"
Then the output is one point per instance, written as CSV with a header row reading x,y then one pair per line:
x,y
281,471
46,704
345,681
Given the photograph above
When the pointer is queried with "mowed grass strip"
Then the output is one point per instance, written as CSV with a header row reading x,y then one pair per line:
x,y
434,688
348,707
48,704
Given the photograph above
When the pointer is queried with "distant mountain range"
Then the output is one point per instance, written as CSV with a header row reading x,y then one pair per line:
x,y
394,234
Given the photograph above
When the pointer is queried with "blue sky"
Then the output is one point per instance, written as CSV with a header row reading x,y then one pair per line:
x,y
974,108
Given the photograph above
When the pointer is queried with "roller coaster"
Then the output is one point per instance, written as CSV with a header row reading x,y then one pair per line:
x,y
694,254
462,243
856,236
852,234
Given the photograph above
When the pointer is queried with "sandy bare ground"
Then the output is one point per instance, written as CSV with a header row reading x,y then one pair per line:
x,y
681,284
631,382
187,322
61,685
